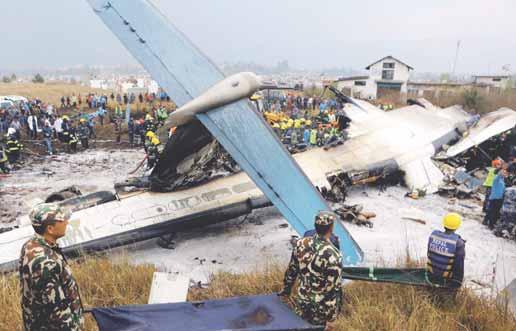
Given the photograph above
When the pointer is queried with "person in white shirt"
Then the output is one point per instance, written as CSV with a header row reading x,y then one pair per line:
x,y
59,128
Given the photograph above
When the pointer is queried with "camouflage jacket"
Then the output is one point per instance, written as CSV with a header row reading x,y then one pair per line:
x,y
318,265
50,296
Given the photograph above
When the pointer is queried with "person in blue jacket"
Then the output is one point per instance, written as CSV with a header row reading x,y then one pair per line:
x,y
495,202
446,253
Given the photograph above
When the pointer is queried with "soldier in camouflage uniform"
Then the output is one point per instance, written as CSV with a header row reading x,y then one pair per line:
x,y
50,296
318,265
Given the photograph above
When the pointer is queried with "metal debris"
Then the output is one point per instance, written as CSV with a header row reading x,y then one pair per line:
x,y
355,214
460,184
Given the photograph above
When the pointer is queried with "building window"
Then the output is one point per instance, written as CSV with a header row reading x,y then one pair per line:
x,y
388,65
388,74
497,79
360,83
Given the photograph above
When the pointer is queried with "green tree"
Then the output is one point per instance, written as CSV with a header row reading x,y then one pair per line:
x,y
13,78
38,79
6,79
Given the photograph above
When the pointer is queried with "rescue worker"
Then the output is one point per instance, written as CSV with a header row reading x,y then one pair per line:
x,y
149,124
313,137
3,161
14,148
83,131
118,129
50,295
488,183
151,147
139,133
294,139
47,136
446,253
118,112
318,265
130,131
320,136
161,115
495,202
277,129
73,140
65,133
306,136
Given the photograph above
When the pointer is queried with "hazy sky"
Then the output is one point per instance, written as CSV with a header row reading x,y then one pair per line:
x,y
309,34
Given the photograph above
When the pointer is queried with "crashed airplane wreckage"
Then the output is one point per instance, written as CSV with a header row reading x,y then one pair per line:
x,y
215,110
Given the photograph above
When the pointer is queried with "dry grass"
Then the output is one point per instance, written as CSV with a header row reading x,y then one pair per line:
x,y
47,92
101,282
478,100
368,306
372,306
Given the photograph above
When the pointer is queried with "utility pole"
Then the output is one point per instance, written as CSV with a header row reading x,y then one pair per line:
x,y
456,58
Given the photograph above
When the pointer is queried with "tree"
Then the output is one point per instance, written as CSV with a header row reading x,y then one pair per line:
x,y
38,79
13,78
6,79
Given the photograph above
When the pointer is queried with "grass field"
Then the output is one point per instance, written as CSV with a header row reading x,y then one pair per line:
x,y
368,306
47,92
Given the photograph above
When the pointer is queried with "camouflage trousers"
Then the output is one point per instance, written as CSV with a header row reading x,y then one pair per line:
x,y
313,314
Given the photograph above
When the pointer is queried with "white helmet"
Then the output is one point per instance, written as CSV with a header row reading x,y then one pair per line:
x,y
11,131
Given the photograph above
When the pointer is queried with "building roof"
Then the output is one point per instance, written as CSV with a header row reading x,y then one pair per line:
x,y
389,57
352,78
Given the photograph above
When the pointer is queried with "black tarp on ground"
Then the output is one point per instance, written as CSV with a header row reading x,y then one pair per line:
x,y
252,313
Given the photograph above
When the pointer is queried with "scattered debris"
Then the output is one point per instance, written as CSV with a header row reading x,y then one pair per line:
x,y
417,220
416,194
355,214
167,241
168,288
413,214
201,261
338,187
460,184
67,193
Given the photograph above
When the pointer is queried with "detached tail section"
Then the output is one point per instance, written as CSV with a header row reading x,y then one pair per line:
x,y
185,73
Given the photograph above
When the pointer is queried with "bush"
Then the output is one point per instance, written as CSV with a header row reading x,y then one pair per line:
x,y
472,100
38,79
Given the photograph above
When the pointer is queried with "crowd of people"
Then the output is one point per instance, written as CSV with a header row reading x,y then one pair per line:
x,y
500,176
73,123
302,122
93,100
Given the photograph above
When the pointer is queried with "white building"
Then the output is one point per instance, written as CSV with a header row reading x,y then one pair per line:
x,y
360,87
101,84
498,81
388,77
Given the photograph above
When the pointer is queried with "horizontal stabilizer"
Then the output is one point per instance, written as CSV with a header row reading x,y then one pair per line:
x,y
487,127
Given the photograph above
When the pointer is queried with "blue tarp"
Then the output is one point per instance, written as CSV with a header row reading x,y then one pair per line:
x,y
252,313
